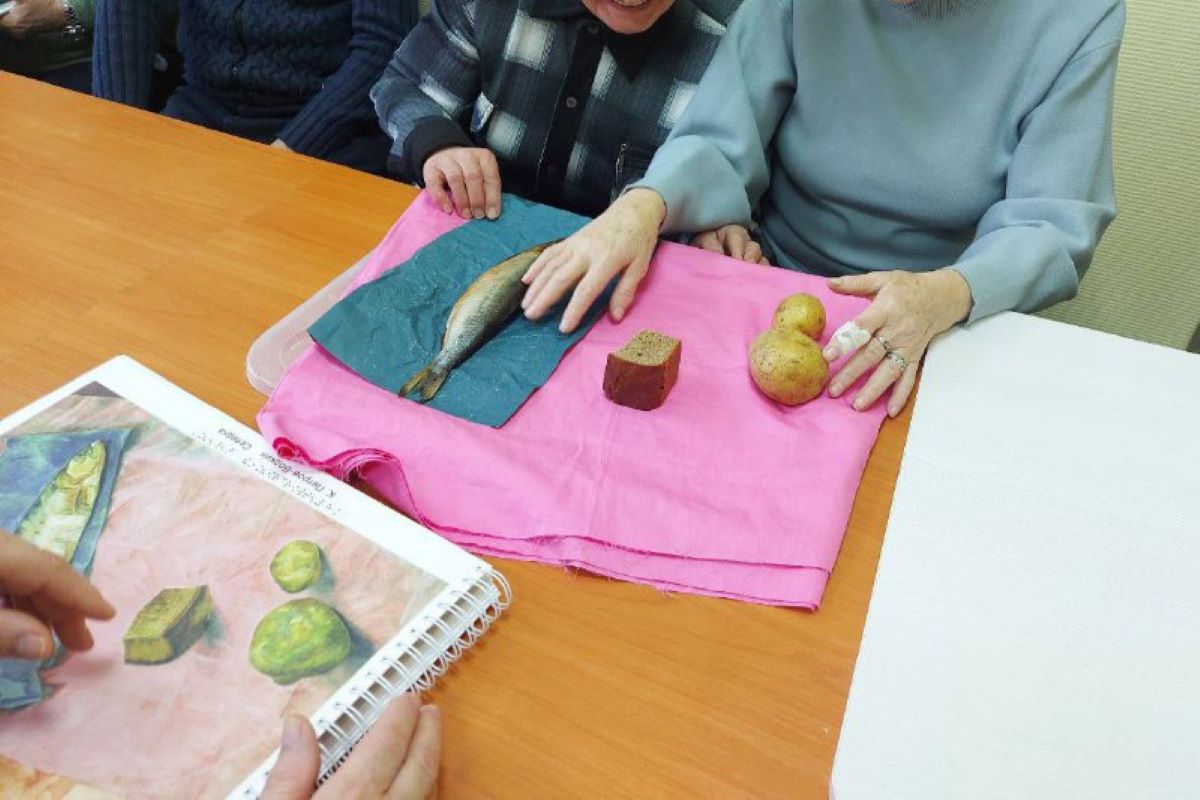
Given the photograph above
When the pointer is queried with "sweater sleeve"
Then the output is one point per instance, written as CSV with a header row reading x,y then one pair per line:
x,y
125,41
342,105
1031,248
715,166
425,95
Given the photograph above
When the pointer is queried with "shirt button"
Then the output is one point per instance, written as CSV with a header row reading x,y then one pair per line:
x,y
572,102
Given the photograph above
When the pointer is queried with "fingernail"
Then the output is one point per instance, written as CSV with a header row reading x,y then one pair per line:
x,y
859,404
478,213
32,646
493,212
835,390
293,732
830,354
446,208
618,314
892,411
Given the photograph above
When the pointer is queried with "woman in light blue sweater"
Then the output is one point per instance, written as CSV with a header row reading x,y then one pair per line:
x,y
950,158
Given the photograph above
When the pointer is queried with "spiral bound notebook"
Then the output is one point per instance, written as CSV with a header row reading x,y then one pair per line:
x,y
246,588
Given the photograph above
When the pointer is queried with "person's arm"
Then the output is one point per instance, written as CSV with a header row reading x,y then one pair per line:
x,y
425,96
424,102
710,172
126,38
330,117
715,165
1032,247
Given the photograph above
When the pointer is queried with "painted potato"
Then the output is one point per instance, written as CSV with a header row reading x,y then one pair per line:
x,y
299,639
297,566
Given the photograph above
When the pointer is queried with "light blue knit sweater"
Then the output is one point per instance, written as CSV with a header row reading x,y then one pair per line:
x,y
869,136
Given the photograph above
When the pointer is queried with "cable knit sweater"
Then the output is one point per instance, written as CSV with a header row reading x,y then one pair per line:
x,y
319,56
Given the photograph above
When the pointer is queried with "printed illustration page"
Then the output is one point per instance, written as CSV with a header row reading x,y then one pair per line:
x,y
246,589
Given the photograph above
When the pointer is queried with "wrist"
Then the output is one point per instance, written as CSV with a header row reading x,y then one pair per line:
x,y
958,294
429,136
648,205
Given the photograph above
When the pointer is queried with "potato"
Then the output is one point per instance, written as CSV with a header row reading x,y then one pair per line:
x,y
801,313
788,367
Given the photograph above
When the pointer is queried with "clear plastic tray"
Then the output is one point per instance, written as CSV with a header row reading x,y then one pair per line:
x,y
275,350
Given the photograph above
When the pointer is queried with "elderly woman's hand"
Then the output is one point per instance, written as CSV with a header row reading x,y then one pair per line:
x,y
620,241
466,180
909,310
733,241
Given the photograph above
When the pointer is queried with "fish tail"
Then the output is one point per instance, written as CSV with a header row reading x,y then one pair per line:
x,y
428,382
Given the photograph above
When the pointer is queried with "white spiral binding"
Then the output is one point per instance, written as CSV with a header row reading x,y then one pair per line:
x,y
449,629
452,629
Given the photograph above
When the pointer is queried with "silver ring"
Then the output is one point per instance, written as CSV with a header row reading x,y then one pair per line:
x,y
887,346
897,359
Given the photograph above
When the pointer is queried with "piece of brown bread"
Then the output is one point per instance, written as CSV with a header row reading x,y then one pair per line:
x,y
641,374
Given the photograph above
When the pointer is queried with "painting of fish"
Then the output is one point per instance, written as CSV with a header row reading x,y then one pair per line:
x,y
60,515
54,493
487,304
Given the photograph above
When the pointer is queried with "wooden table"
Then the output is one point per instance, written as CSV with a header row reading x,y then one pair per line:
x,y
128,233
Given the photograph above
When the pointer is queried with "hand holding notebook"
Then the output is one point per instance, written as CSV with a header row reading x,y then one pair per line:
x,y
397,760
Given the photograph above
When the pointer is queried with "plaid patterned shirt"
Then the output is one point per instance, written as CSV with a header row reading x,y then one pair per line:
x,y
573,111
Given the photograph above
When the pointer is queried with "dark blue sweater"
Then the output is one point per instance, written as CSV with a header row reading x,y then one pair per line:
x,y
318,57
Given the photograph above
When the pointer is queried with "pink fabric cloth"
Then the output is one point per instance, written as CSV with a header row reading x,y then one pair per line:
x,y
719,492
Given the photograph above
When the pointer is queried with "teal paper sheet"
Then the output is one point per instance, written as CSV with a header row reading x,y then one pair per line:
x,y
387,330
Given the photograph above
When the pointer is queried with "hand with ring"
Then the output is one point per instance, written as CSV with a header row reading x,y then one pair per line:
x,y
908,310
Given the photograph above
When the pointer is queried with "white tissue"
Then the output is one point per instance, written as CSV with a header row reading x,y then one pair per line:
x,y
849,338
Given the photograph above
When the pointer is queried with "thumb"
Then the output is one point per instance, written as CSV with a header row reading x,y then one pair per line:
x,y
24,636
294,776
861,285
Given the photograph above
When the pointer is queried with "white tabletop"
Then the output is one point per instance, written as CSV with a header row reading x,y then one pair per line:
x,y
1034,630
